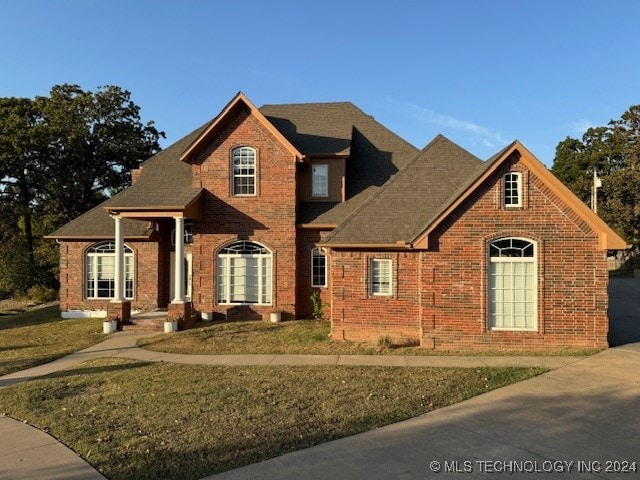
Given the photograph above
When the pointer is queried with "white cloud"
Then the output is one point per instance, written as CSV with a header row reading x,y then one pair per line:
x,y
487,136
581,126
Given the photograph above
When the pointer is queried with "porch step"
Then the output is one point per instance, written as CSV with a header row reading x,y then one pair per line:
x,y
144,325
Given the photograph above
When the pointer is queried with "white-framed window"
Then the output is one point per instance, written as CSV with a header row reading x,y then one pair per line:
x,y
513,283
244,171
318,268
381,276
320,180
512,189
188,234
244,274
100,271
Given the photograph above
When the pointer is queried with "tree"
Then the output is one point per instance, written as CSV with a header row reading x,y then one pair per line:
x,y
613,151
96,139
61,155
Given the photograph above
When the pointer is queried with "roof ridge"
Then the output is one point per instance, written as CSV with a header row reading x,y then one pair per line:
x,y
299,104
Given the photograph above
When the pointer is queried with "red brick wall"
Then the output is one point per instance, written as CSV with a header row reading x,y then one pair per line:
x,y
72,277
449,283
307,241
267,218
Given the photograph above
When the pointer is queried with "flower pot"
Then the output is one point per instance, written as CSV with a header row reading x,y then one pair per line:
x,y
109,326
275,317
170,327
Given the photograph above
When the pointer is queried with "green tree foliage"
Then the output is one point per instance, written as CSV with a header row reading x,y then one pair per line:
x,y
61,155
614,152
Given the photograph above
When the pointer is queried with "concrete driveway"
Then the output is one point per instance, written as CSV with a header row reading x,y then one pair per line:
x,y
624,311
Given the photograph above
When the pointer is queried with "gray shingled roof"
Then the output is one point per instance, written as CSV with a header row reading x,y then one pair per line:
x,y
96,223
413,199
376,153
165,181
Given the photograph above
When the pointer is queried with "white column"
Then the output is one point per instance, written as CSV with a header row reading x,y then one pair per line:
x,y
178,277
118,295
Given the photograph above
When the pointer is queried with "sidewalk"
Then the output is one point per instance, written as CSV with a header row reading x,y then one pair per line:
x,y
26,452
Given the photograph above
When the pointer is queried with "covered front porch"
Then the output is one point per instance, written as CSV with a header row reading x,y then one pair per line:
x,y
173,271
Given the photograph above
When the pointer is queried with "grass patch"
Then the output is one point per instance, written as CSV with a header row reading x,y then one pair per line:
x,y
41,336
310,337
135,420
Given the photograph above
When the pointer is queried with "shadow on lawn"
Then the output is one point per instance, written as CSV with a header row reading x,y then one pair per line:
x,y
40,316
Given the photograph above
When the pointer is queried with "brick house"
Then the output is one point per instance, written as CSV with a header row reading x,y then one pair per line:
x,y
259,208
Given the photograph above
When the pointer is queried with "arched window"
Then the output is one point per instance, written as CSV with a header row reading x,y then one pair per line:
x,y
318,268
244,274
101,270
513,283
244,171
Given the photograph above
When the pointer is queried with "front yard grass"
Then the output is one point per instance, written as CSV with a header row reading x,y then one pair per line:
x,y
306,337
134,420
41,336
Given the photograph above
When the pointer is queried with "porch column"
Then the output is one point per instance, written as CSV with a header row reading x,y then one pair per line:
x,y
118,291
178,278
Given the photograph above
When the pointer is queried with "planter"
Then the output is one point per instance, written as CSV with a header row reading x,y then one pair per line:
x,y
275,317
170,327
109,326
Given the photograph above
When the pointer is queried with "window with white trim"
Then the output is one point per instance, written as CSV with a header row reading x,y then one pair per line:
x,y
318,268
100,271
320,180
381,278
512,189
512,284
244,171
244,274
188,234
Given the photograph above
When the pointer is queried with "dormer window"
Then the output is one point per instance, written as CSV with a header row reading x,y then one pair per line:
x,y
244,171
512,190
320,180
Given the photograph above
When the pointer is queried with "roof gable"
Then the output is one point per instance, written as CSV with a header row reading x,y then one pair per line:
x,y
239,101
609,240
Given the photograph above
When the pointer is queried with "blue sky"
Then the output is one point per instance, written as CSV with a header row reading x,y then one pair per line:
x,y
482,73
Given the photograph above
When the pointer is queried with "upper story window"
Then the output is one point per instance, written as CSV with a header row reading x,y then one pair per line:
x,y
100,271
320,181
381,269
244,171
513,189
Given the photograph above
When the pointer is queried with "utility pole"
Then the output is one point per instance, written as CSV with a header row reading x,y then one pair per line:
x,y
597,183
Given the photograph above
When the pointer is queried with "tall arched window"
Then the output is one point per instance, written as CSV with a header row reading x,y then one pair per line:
x,y
100,265
513,283
244,274
244,171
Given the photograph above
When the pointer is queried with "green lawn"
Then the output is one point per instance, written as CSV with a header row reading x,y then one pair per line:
x,y
135,420
40,336
296,337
